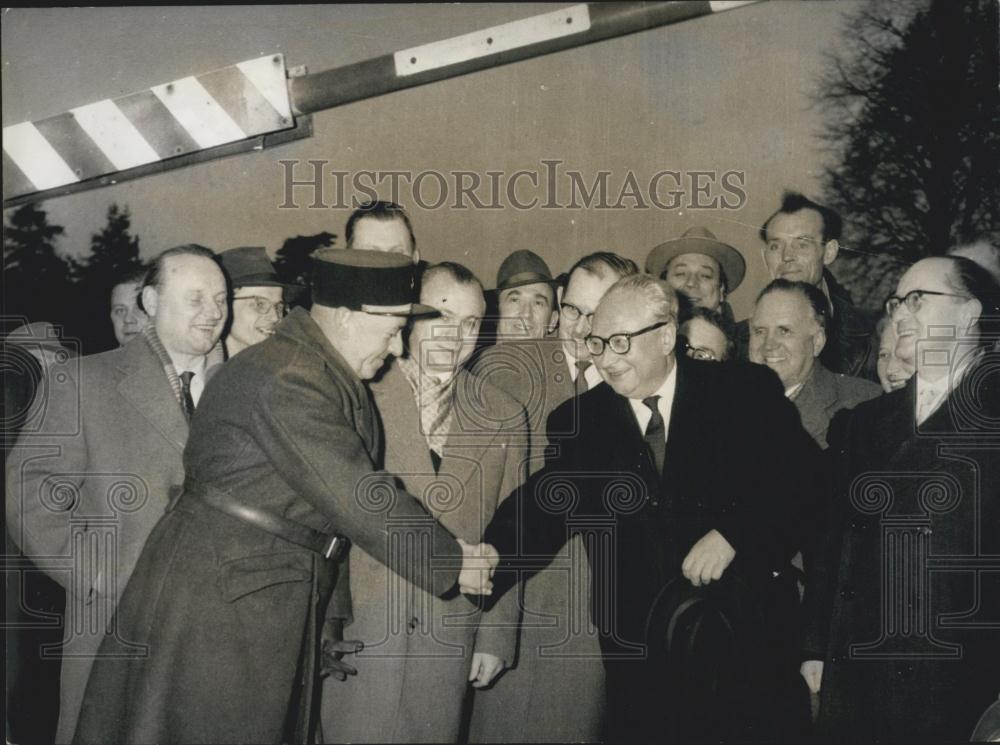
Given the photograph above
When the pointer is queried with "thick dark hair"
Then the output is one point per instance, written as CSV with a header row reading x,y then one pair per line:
x,y
602,262
813,295
459,272
378,210
793,201
971,279
153,276
717,319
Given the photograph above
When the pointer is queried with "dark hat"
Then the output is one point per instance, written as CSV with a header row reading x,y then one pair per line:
x,y
248,266
523,267
369,281
709,637
699,240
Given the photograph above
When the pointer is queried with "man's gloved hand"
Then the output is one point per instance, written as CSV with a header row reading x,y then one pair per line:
x,y
333,650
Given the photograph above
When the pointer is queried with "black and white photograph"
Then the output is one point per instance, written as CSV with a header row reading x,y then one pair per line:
x,y
617,372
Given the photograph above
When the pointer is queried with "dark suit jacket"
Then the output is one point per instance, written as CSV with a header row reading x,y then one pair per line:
x,y
737,461
824,394
223,607
850,347
910,653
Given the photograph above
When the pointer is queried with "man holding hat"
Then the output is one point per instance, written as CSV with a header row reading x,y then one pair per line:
x,y
258,297
699,265
227,599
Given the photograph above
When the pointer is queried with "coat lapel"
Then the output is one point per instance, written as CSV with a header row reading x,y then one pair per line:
x,y
814,402
144,384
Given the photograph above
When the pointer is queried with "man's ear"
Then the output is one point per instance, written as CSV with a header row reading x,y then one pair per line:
x,y
971,314
150,298
819,341
830,251
560,291
669,337
553,322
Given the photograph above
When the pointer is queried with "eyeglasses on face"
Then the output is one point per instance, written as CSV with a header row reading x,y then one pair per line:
x,y
699,353
914,299
619,343
262,306
573,314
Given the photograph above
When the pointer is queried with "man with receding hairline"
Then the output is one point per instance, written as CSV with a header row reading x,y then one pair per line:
x,y
697,444
114,443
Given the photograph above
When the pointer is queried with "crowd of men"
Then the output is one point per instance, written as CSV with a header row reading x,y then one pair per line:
x,y
620,516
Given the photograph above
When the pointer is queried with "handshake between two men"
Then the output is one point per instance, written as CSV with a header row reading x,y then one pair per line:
x,y
704,563
478,564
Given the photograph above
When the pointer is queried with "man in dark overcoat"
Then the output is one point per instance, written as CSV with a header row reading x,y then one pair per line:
x,y
231,588
679,470
903,608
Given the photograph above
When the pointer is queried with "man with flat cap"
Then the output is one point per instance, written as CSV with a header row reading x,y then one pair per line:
x,y
701,267
230,591
258,300
526,297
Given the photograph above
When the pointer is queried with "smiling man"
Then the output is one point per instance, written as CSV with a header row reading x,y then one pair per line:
x,y
916,474
690,448
701,266
788,334
526,297
115,441
258,301
801,242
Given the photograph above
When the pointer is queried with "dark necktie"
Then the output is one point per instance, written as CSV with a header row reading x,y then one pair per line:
x,y
581,379
186,391
656,437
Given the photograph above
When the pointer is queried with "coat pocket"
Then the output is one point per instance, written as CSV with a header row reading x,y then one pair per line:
x,y
241,577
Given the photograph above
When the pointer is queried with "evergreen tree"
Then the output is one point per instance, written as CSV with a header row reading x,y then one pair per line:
x,y
912,121
36,279
293,263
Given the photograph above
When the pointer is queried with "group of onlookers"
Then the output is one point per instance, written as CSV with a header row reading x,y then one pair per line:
x,y
600,516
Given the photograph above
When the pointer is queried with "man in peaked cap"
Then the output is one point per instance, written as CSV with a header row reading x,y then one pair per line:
x,y
258,301
699,265
526,297
231,589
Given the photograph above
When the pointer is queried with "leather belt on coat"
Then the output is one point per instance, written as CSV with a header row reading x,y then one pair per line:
x,y
328,546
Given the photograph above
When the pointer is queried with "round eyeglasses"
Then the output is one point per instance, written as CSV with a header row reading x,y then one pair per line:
x,y
262,306
619,343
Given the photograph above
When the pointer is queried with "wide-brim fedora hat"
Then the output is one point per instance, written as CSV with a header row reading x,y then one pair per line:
x,y
709,637
523,267
373,282
698,240
249,266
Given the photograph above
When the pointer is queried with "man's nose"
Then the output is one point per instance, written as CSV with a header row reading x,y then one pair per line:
x,y
787,252
396,344
691,281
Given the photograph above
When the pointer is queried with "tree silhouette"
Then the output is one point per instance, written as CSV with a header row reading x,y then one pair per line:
x,y
37,281
911,117
293,264
114,252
